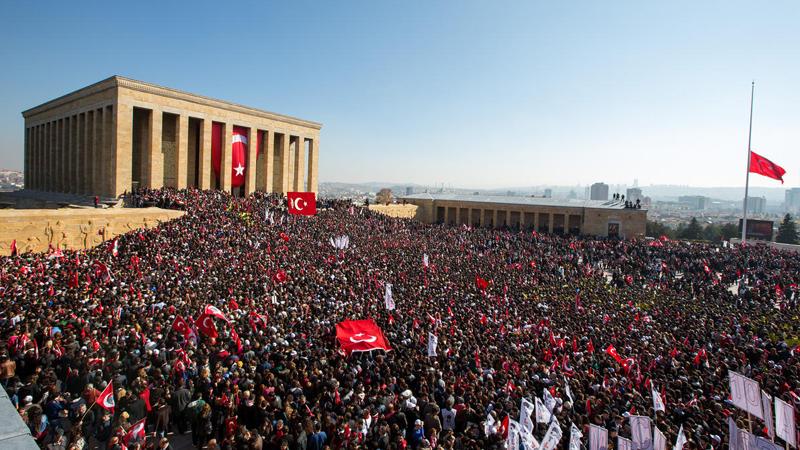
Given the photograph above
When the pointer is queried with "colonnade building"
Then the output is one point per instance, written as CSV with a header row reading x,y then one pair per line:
x,y
545,215
119,134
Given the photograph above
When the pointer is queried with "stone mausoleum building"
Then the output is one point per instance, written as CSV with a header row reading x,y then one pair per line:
x,y
545,215
117,134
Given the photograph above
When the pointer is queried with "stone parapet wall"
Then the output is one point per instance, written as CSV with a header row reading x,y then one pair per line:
x,y
75,229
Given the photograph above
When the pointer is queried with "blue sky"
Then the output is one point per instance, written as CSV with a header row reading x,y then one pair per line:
x,y
468,93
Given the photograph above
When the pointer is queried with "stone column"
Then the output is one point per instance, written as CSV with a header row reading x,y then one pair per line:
x,y
154,157
284,163
300,165
446,208
250,172
550,222
225,164
536,222
313,164
97,151
204,165
67,153
482,217
182,150
123,150
508,217
85,174
269,160
494,218
63,150
80,154
522,220
458,215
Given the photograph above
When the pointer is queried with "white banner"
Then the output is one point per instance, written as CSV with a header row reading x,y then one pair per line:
x,y
680,441
512,441
526,408
641,433
598,438
766,444
624,444
489,427
575,436
552,437
746,394
528,441
747,440
658,402
659,440
568,391
733,435
784,422
388,298
425,260
433,342
766,405
549,401
542,414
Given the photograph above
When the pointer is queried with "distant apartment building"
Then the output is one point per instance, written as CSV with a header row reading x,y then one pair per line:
x,y
792,201
409,190
599,191
548,193
634,194
696,202
756,205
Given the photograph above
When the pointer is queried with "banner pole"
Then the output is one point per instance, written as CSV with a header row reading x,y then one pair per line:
x,y
747,177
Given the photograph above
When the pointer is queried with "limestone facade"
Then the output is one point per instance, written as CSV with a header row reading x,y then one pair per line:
x,y
117,134
594,218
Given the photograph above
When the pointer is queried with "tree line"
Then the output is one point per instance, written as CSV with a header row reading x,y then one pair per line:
x,y
712,232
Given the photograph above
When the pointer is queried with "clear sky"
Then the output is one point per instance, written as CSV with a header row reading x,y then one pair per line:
x,y
468,93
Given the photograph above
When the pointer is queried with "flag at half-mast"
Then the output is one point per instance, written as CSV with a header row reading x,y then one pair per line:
x,y
763,166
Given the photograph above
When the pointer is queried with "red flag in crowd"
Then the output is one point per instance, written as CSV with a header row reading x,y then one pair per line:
x,y
590,346
145,395
181,326
613,353
256,318
14,247
232,303
237,341
480,283
205,324
302,203
700,354
212,310
106,398
763,166
136,433
280,276
360,336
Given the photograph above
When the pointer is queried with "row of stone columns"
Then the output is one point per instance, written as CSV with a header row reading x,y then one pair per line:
x,y
278,176
71,154
464,216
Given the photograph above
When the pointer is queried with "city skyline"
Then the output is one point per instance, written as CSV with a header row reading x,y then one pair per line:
x,y
465,95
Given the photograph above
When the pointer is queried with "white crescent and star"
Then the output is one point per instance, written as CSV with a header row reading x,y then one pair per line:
x,y
369,338
296,204
239,170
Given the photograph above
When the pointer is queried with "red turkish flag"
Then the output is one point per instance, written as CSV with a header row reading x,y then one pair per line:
x,y
302,203
212,310
136,433
763,166
106,398
238,156
181,326
360,336
205,324
280,276
613,353
481,283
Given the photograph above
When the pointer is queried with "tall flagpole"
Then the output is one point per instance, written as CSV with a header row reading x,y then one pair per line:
x,y
747,179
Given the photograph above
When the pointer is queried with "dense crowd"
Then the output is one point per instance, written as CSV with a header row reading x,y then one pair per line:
x,y
679,314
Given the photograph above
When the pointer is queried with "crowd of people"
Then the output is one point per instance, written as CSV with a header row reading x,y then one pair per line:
x,y
515,313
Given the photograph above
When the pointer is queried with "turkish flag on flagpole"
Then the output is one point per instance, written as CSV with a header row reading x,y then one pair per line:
x,y
106,398
763,166
360,336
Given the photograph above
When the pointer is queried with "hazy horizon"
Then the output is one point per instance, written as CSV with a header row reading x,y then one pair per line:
x,y
460,93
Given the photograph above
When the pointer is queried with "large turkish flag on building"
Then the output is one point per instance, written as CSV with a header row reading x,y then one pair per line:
x,y
238,156
238,152
302,203
360,336
763,166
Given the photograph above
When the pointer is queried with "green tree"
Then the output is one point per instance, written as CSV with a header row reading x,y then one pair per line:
x,y
728,231
787,232
658,229
692,231
712,233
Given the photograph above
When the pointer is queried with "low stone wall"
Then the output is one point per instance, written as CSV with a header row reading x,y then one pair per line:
x,y
407,211
76,229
